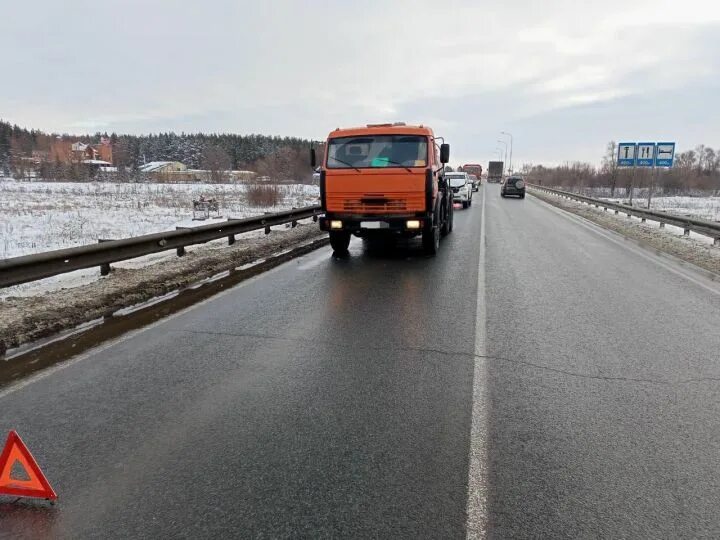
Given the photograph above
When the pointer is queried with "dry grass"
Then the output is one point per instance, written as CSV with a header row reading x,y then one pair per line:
x,y
263,195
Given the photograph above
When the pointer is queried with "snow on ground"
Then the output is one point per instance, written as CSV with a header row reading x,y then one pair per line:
x,y
698,207
699,204
41,216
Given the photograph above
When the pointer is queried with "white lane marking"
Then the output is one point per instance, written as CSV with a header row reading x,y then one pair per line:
x,y
40,375
477,511
665,260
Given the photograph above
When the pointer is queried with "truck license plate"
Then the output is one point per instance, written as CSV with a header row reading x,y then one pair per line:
x,y
374,225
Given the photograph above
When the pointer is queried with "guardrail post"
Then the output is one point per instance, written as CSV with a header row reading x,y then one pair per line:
x,y
231,239
181,251
717,241
686,231
617,211
293,224
642,220
662,224
105,267
267,229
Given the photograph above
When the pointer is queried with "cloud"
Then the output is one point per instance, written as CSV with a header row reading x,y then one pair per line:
x,y
471,69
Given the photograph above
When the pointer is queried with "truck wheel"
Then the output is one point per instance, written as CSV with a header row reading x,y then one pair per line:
x,y
451,217
339,241
445,229
431,240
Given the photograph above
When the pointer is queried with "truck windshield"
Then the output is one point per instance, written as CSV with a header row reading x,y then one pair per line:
x,y
377,151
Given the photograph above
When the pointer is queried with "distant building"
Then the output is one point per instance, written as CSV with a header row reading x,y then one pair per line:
x,y
178,173
77,152
163,167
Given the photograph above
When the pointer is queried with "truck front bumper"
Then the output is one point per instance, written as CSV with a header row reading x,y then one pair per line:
x,y
362,225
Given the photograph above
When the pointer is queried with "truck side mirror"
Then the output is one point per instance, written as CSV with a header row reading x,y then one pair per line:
x,y
444,153
313,158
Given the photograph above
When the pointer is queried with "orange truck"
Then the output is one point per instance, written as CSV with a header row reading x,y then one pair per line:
x,y
385,179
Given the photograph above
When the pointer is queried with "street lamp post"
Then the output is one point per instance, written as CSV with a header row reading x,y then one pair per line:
x,y
511,147
505,160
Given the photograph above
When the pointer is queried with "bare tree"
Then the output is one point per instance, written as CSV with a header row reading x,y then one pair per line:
x,y
610,165
217,161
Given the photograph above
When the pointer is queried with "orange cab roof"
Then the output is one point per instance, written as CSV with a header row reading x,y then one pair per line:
x,y
382,129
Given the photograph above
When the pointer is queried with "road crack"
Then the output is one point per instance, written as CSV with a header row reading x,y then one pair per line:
x,y
463,354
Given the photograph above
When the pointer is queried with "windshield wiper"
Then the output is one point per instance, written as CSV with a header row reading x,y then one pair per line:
x,y
396,163
345,163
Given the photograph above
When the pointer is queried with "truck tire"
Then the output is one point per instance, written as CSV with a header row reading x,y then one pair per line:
x,y
445,229
339,241
431,239
450,218
465,204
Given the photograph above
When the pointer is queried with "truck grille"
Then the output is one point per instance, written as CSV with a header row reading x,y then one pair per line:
x,y
375,203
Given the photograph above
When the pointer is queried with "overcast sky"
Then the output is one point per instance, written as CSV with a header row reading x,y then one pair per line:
x,y
563,77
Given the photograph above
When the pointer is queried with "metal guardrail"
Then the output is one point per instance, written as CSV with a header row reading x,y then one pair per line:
x,y
700,226
27,268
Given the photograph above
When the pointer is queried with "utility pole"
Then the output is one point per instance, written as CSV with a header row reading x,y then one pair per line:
x,y
506,149
511,148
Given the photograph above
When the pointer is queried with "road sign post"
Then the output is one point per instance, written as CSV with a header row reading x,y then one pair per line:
x,y
645,154
645,158
626,154
665,154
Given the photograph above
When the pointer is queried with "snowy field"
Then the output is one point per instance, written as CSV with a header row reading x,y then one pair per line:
x,y
700,204
699,207
41,216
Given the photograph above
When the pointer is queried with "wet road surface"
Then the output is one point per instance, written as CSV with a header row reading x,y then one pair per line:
x,y
567,382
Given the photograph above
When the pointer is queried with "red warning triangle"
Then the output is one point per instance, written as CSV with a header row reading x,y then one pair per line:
x,y
34,484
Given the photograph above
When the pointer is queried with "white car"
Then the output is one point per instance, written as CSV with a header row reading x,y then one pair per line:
x,y
461,186
475,182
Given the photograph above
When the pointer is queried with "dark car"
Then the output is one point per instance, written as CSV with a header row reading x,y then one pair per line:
x,y
513,185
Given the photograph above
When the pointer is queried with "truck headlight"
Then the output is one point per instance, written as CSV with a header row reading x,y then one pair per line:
x,y
412,224
335,224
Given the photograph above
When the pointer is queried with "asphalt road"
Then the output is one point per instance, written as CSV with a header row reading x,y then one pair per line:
x,y
563,382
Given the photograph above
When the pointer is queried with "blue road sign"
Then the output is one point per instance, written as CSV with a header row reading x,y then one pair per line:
x,y
665,154
626,154
645,154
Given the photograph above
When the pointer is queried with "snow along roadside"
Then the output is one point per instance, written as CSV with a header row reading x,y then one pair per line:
x,y
24,319
698,252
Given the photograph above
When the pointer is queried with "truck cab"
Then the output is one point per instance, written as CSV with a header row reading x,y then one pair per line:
x,y
385,179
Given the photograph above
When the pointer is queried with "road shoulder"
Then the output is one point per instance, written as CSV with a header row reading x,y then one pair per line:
x,y
705,258
26,319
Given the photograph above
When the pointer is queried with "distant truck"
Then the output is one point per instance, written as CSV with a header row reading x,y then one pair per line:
x,y
495,171
385,179
474,169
